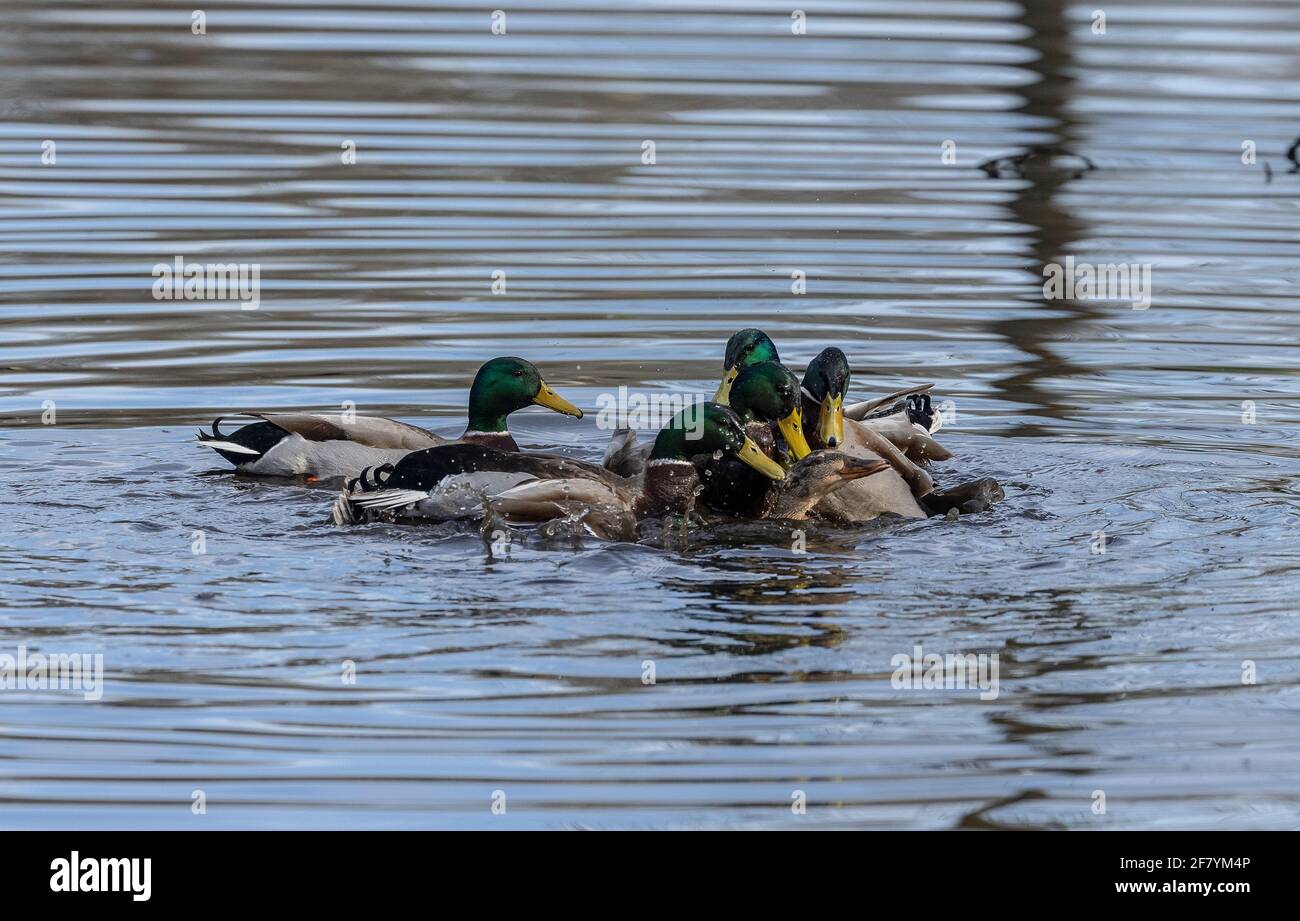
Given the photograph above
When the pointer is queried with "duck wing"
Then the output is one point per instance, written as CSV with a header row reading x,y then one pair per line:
x,y
624,455
457,495
426,468
541,500
903,434
548,465
370,431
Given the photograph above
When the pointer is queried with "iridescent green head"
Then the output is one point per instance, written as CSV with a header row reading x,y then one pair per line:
x,y
824,385
706,428
745,348
768,392
504,385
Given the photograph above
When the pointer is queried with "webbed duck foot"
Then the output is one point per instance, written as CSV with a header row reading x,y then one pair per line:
x,y
966,499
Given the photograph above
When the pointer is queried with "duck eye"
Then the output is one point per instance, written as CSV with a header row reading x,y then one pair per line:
x,y
519,372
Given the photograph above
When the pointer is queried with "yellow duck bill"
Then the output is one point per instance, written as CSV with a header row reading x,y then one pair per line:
x,y
723,395
791,428
552,400
830,422
752,455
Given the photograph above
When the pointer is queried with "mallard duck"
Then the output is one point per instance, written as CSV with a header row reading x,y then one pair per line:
x,y
890,433
765,396
883,429
536,486
625,456
766,392
905,417
805,485
817,478
896,416
322,446
894,491
744,348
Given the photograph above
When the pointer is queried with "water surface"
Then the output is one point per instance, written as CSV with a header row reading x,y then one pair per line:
x,y
1170,429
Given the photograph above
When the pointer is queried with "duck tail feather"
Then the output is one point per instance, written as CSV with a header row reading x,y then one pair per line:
x,y
218,440
228,446
387,499
883,405
341,512
619,443
370,482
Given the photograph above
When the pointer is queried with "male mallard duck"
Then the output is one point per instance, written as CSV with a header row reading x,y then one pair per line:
x,y
905,418
544,484
747,347
324,445
895,417
764,395
883,429
744,348
894,491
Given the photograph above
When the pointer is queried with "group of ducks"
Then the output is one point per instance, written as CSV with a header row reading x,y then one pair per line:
x,y
768,446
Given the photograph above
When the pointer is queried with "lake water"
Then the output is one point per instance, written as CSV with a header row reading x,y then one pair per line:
x,y
1163,672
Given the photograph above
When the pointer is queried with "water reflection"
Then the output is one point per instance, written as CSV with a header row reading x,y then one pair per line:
x,y
1036,203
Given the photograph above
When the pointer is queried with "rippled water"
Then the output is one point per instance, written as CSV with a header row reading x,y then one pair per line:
x,y
774,153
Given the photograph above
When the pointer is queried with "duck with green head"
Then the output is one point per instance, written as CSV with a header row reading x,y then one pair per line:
x,y
894,491
823,412
765,397
321,445
825,383
904,418
744,348
546,486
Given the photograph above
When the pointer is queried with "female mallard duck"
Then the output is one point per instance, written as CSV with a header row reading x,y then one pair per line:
x,y
534,486
764,395
323,445
817,478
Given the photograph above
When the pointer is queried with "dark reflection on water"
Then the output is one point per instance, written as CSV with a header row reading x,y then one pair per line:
x,y
525,672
